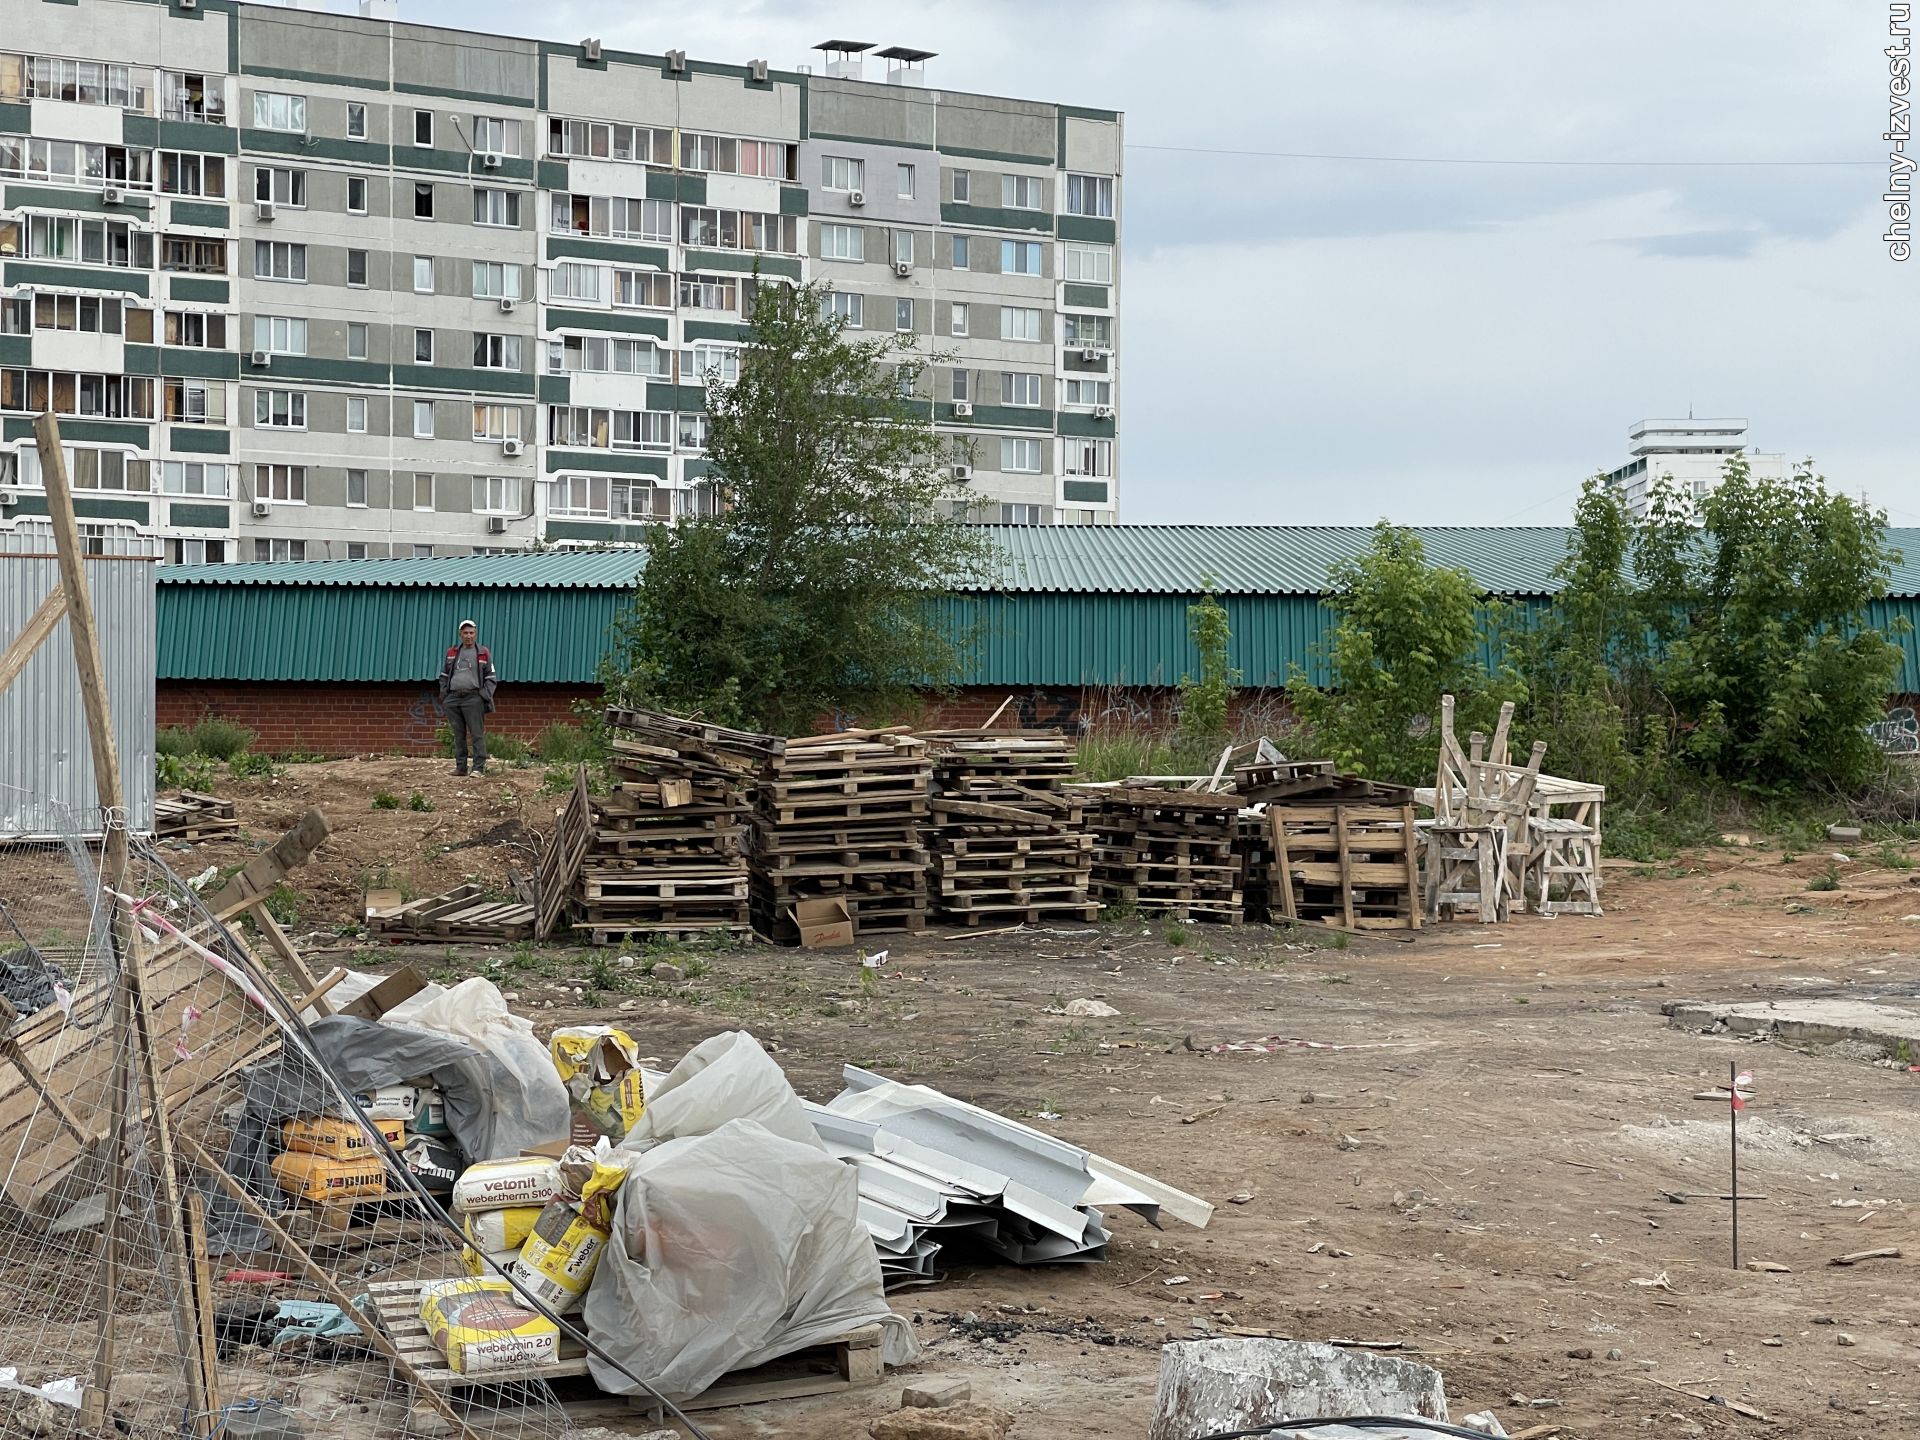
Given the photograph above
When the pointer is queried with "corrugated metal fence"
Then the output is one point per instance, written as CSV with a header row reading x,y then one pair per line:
x,y
46,767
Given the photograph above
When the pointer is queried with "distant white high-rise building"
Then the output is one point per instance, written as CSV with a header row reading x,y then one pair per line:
x,y
1691,453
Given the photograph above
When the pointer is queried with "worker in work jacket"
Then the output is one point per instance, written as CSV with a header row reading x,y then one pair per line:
x,y
467,684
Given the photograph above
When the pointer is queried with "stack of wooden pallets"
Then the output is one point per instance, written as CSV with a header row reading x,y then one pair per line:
x,y
668,852
192,816
841,817
1337,849
1009,841
1166,851
1253,842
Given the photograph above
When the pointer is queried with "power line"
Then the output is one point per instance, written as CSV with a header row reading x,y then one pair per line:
x,y
1451,160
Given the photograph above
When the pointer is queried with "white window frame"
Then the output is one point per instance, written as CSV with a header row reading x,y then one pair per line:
x,y
843,242
1022,192
282,484
286,186
493,351
422,333
1014,451
1083,392
276,409
502,208
359,181
420,406
418,116
963,187
1012,250
1101,190
1082,263
962,252
280,334
277,110
496,135
962,314
1020,323
1017,385
356,550
496,495
495,422
356,120
288,255
843,174
361,503
510,276
576,280
356,414
1087,457
902,309
903,181
418,261
847,304
418,477
358,330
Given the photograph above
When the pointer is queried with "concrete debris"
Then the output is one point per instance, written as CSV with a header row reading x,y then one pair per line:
x,y
960,1422
1089,1009
936,1394
1211,1386
1820,1022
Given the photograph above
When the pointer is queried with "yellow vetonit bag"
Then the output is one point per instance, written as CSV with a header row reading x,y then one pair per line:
x,y
492,1230
475,1263
600,1066
483,1328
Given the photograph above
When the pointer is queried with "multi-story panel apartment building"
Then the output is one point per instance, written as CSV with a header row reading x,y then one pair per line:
x,y
315,285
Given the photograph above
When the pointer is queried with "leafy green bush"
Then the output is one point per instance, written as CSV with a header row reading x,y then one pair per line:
x,y
247,763
418,801
219,738
562,744
174,740
385,800
182,772
508,749
1204,701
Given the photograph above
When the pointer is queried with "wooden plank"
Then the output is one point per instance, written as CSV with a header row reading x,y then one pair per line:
x,y
272,865
22,647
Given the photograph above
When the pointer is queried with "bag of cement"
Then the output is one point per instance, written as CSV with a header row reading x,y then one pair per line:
x,y
390,1102
484,1263
725,1077
338,1139
557,1262
600,1066
529,1102
318,1177
506,1184
483,1328
500,1229
436,1163
730,1249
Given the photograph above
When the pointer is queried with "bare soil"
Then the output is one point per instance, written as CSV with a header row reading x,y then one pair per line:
x,y
1479,1177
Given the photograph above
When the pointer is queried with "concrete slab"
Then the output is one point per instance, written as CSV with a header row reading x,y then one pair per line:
x,y
1819,1022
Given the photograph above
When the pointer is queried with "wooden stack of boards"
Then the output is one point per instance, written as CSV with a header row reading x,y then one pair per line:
x,y
1168,852
1008,838
668,855
842,817
191,815
1338,849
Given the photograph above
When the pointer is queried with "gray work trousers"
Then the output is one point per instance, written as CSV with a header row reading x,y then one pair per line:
x,y
467,714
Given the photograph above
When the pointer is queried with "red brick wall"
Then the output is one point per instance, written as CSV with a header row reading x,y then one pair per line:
x,y
356,719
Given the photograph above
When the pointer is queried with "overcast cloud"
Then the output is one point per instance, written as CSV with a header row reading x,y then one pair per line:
x,y
1309,341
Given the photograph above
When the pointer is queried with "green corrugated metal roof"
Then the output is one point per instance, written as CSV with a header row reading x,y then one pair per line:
x,y
602,569
1039,559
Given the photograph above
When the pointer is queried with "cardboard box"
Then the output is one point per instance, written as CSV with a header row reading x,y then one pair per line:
x,y
824,923
339,1139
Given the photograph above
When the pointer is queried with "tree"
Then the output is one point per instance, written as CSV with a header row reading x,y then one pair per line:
x,y
808,590
1204,701
1407,633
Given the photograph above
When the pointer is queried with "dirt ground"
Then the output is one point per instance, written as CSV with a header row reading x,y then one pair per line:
x,y
1478,1177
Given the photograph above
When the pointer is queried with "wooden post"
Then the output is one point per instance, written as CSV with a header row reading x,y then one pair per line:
x,y
39,626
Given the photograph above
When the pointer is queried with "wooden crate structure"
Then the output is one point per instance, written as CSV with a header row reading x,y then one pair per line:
x,y
1008,840
1352,865
1166,851
1477,792
668,853
1253,843
842,817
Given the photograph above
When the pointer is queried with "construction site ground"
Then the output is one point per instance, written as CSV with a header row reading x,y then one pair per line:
x,y
1480,1176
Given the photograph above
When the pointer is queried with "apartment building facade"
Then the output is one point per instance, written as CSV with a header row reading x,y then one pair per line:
x,y
1689,457
313,285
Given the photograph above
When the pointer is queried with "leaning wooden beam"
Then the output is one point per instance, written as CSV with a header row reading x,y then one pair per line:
x,y
39,626
298,1253
269,867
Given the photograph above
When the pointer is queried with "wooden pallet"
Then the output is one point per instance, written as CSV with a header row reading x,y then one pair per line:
x,y
190,815
461,914
1352,865
560,862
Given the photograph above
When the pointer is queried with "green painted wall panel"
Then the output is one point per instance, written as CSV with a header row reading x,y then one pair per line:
x,y
200,517
199,364
194,135
198,287
1092,297
993,217
199,439
596,531
793,200
18,350
999,417
689,189
86,202
95,432
28,272
552,174
555,390
193,212
1089,492
320,147
325,371
675,397
1081,422
16,119
1088,227
743,261
1008,157
561,247
486,382
713,330
607,462
623,322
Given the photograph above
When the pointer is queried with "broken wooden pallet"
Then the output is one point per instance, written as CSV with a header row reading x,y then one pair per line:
x,y
190,815
465,913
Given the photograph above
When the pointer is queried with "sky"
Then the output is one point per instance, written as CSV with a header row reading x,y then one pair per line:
x,y
1333,341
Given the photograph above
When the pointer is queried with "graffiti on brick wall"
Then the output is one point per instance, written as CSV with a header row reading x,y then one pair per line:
x,y
424,719
1897,732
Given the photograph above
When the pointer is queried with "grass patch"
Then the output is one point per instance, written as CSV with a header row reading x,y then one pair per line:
x,y
283,904
562,744
1893,857
1174,932
418,801
385,800
508,749
1827,879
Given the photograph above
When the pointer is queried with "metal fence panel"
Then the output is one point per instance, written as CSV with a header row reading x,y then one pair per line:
x,y
46,767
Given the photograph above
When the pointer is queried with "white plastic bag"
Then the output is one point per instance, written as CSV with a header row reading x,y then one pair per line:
x,y
730,1249
529,1101
725,1077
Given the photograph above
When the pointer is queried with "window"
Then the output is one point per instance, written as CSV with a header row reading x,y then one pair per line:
x,y
192,477
1088,392
84,82
708,152
497,207
645,289
496,422
196,257
284,484
190,97
599,141
194,402
422,552
357,268
495,495
356,340
280,409
1020,457
280,334
82,162
903,247
962,187
772,158
92,242
960,384
423,200
496,280
88,314
186,174
703,362
1020,257
1023,515
423,419
841,172
1089,457
838,304
423,127
962,252
423,492
496,352
574,281
618,216
1020,192
493,136
903,181
280,260
423,275
959,319
691,432
356,194
423,347
902,313
280,185
843,242
16,315
265,549
1019,323
606,355
1088,330
709,292
610,429
279,112
89,468
1019,387
604,498
356,121
139,324
1091,264
357,416
1090,195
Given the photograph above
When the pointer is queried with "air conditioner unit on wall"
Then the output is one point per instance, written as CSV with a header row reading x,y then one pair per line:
x,y
262,360
490,162
496,524
263,209
9,497
856,197
114,195
903,268
262,509
963,473
962,409
511,448
506,307
1103,412
1092,354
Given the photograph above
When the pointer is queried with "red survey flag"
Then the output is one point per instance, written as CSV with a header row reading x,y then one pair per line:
x,y
1741,1084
